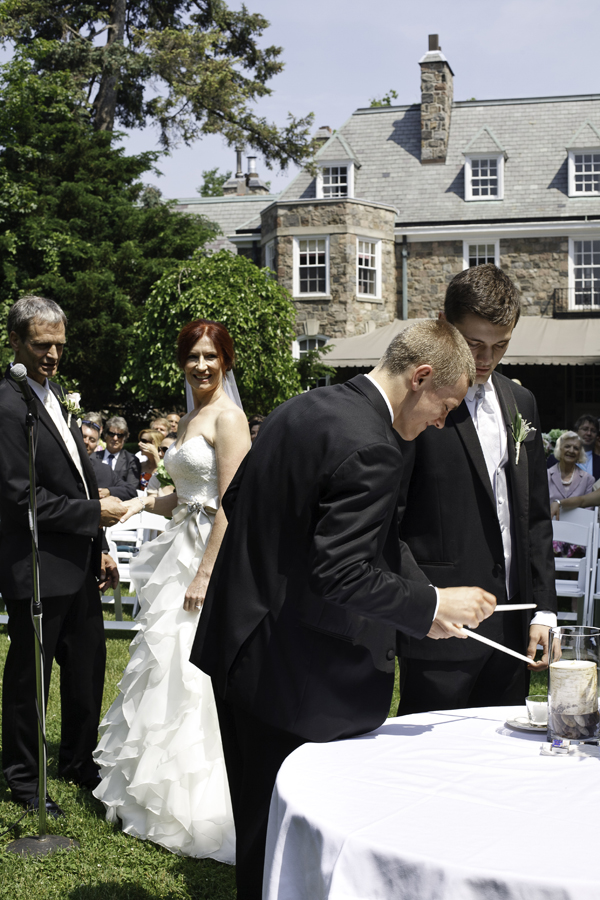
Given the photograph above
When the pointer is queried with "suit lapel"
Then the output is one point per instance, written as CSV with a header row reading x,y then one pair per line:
x,y
518,474
462,421
83,457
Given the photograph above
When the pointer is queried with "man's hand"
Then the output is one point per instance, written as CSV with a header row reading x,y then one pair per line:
x,y
460,606
109,573
111,510
538,634
103,492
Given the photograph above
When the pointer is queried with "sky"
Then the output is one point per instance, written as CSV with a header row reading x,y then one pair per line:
x,y
340,55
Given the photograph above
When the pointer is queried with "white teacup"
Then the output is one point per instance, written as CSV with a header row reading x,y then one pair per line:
x,y
537,709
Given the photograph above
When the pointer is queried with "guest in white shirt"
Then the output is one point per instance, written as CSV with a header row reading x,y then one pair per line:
x,y
123,463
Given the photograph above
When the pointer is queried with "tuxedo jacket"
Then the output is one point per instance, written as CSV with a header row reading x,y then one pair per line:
x,y
107,478
127,467
70,540
299,622
450,522
581,484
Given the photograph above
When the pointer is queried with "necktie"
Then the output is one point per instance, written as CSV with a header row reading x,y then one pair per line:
x,y
487,429
111,460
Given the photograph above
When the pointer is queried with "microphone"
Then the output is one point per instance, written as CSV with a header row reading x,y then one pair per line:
x,y
19,373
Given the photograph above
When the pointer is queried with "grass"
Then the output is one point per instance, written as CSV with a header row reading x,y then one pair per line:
x,y
108,865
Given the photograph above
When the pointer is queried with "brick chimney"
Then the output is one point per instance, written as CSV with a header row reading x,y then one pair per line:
x,y
437,92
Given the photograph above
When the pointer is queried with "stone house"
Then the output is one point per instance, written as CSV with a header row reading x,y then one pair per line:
x,y
406,196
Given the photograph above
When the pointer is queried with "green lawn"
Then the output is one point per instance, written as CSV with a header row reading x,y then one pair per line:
x,y
109,865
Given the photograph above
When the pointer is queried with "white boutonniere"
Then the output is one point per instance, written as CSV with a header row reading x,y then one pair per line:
x,y
71,403
520,429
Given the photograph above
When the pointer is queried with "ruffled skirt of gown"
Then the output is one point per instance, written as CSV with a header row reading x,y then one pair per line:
x,y
160,753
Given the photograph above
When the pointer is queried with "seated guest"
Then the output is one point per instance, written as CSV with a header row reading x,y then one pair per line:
x,y
586,427
161,483
173,420
149,442
123,463
161,425
567,478
254,423
109,483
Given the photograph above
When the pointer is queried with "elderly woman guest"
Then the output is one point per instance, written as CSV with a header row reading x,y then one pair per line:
x,y
566,480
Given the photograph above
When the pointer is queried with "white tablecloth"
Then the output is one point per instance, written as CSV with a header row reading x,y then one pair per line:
x,y
436,806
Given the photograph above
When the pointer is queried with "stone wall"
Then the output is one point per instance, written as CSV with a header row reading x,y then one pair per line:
x,y
342,313
431,266
536,265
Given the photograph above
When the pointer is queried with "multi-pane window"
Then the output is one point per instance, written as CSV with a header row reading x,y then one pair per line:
x,y
335,181
367,267
312,266
586,172
270,255
484,177
478,254
586,273
311,342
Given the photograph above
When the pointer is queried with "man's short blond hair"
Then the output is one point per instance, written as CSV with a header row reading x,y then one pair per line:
x,y
434,343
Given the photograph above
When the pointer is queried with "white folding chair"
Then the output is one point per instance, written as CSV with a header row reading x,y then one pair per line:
x,y
575,533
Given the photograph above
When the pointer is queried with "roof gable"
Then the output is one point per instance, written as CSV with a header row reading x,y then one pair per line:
x,y
485,141
585,136
337,147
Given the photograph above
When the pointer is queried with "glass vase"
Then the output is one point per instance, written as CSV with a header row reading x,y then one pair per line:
x,y
573,683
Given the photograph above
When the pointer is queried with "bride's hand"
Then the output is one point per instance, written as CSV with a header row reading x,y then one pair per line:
x,y
196,592
134,506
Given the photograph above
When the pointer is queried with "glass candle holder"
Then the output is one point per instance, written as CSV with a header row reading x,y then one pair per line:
x,y
573,683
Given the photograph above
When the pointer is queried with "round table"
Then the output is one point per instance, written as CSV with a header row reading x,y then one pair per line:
x,y
437,806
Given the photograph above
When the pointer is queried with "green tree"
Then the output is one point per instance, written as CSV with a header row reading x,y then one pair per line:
x,y
212,182
311,367
77,225
257,312
386,100
192,68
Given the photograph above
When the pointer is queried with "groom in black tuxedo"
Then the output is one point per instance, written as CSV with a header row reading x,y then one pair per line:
x,y
72,565
473,514
298,628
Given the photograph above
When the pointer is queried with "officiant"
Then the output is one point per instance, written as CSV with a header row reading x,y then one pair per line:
x,y
299,625
72,565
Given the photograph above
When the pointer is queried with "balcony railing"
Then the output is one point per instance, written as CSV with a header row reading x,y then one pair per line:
x,y
576,302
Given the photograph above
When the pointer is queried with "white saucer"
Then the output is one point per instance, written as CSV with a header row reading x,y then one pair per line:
x,y
522,723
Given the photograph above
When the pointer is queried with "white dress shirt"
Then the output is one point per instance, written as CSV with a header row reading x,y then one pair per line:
x,y
110,462
54,410
588,465
491,429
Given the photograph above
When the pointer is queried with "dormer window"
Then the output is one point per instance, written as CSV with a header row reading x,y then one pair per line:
x,y
484,177
335,179
584,173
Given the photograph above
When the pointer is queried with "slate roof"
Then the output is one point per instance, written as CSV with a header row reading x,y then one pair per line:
x,y
533,133
230,213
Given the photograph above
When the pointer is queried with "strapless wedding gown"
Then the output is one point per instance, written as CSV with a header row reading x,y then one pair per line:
x,y
160,753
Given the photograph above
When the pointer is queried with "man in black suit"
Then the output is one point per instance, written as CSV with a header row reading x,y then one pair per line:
x,y
474,515
109,483
298,628
123,463
72,565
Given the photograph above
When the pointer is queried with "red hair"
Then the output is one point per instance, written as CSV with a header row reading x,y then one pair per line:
x,y
218,334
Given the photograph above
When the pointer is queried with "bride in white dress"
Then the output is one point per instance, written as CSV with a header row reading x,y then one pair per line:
x,y
160,753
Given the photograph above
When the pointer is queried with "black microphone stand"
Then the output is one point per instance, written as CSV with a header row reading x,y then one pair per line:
x,y
43,844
